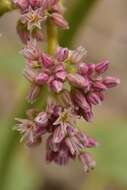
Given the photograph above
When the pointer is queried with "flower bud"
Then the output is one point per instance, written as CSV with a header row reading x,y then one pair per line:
x,y
29,74
31,52
46,60
33,93
62,54
91,69
78,81
91,142
71,146
99,86
88,115
41,78
59,134
59,20
87,161
56,85
80,101
41,119
93,98
111,82
102,67
83,68
78,55
61,75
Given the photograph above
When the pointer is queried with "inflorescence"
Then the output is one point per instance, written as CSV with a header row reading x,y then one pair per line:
x,y
73,86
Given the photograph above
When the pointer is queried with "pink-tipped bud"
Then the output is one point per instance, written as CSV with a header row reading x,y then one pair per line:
x,y
46,60
87,161
33,93
91,142
56,86
88,116
62,54
99,86
41,78
59,134
93,98
80,101
102,66
83,68
111,82
78,55
78,80
91,69
59,21
61,75
29,74
42,119
70,145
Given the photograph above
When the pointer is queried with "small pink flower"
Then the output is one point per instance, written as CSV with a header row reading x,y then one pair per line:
x,y
28,129
33,19
25,34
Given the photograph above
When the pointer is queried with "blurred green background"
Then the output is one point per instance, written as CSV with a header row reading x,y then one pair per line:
x,y
100,26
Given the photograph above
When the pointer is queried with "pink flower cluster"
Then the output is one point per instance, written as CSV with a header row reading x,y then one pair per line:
x,y
73,86
64,142
35,13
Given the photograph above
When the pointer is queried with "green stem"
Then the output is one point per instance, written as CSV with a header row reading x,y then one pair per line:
x,y
52,36
5,6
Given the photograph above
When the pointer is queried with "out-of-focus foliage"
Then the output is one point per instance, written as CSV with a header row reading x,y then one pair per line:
x,y
76,15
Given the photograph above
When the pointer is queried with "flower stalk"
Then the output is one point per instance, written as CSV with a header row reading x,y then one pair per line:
x,y
53,69
52,37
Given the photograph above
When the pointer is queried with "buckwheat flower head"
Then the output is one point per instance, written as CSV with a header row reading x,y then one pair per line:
x,y
73,86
